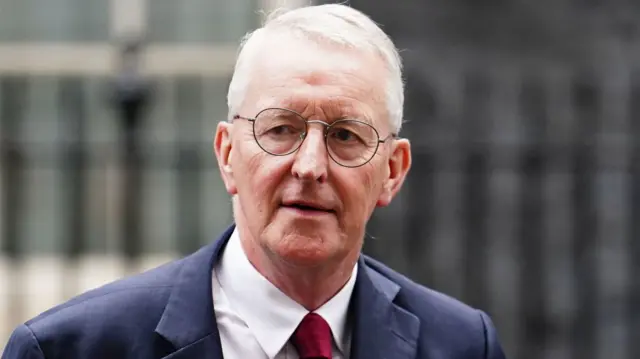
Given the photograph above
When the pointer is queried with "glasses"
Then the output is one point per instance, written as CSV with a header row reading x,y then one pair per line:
x,y
280,132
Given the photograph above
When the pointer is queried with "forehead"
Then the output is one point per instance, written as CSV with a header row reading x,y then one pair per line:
x,y
307,76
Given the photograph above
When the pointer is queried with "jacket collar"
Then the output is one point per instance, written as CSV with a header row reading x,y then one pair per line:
x,y
188,319
381,329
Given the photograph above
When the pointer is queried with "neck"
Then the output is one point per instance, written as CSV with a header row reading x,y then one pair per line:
x,y
311,287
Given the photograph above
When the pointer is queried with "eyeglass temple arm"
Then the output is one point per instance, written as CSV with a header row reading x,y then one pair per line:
x,y
238,117
391,135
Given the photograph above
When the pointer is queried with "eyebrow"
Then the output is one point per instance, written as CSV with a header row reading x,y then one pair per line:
x,y
362,118
338,108
335,112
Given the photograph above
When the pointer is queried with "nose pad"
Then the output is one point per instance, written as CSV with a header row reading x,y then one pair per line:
x,y
324,126
303,135
316,147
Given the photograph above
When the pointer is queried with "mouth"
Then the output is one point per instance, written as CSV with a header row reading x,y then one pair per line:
x,y
307,208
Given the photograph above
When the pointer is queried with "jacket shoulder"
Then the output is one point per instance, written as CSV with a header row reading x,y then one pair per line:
x,y
123,311
415,294
443,318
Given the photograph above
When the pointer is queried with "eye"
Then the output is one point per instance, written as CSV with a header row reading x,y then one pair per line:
x,y
283,130
279,126
344,135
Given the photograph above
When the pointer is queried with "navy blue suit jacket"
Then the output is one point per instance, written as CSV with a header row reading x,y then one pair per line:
x,y
168,313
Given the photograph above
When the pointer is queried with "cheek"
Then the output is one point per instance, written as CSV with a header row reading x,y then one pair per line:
x,y
371,182
361,190
256,174
261,176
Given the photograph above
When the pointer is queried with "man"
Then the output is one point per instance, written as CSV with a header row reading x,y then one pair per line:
x,y
310,149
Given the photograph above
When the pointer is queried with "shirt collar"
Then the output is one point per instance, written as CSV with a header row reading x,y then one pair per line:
x,y
270,314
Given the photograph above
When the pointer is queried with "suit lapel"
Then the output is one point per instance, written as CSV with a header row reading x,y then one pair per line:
x,y
188,321
209,347
381,330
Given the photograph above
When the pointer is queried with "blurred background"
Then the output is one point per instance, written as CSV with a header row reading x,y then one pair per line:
x,y
524,198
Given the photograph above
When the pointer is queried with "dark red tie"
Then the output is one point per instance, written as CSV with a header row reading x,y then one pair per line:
x,y
312,338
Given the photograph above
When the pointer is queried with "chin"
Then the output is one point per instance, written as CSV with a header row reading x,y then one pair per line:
x,y
303,240
302,258
304,248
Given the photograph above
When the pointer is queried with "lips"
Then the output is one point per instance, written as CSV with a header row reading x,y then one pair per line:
x,y
307,206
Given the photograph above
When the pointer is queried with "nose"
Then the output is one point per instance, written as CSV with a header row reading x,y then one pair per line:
x,y
311,160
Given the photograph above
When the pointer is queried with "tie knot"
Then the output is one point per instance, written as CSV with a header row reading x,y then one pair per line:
x,y
312,338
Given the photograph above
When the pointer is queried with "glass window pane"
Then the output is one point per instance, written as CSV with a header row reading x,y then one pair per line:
x,y
159,188
42,223
183,189
208,21
54,20
215,205
13,99
100,145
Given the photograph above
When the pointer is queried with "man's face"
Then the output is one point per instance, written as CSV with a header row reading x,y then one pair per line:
x,y
325,83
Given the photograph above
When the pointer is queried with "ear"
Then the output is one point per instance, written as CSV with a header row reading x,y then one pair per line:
x,y
223,146
399,164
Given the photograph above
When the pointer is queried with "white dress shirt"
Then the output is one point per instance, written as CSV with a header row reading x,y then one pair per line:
x,y
255,319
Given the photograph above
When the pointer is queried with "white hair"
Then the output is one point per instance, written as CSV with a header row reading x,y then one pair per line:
x,y
333,23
